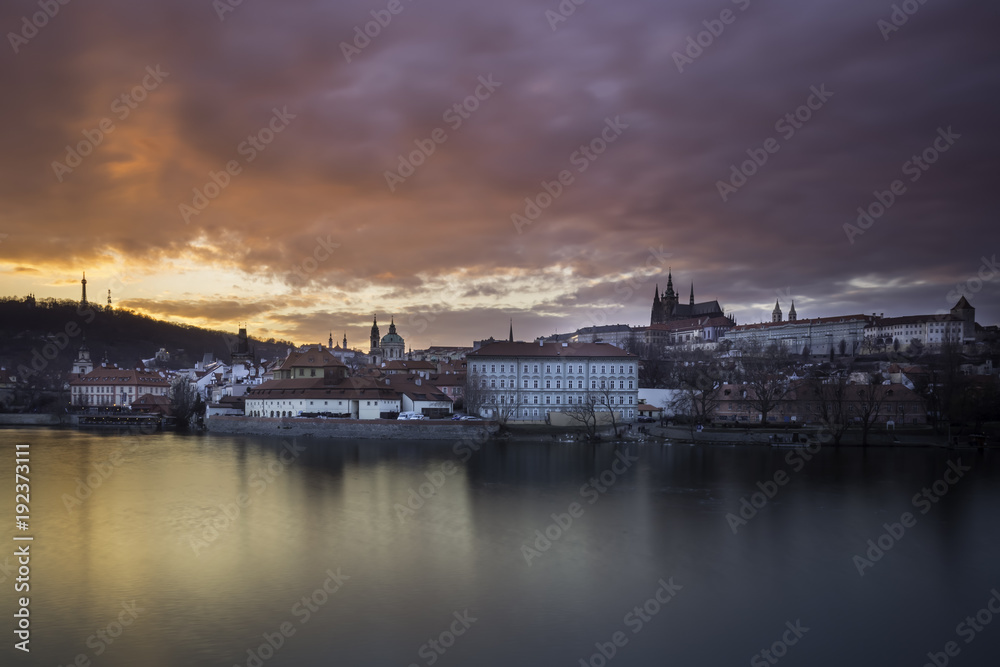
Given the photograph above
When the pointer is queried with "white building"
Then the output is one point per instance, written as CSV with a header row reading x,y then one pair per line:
x,y
542,378
115,387
817,336
912,332
314,381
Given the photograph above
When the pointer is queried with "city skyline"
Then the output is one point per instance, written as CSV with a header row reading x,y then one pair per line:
x,y
301,166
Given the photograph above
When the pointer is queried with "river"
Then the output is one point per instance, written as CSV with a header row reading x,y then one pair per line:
x,y
165,549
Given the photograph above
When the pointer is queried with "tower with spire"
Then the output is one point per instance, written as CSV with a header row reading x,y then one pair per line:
x,y
375,338
667,307
83,296
791,313
776,313
510,339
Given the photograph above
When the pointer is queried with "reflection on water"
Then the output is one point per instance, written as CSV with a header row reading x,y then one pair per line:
x,y
169,550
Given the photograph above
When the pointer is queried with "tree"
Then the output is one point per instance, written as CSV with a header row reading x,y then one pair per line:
x,y
870,397
475,394
829,395
183,401
586,414
503,404
764,369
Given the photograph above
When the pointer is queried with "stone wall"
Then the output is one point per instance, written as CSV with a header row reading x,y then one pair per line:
x,y
408,429
31,419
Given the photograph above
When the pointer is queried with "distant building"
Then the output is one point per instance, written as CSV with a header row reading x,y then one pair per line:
x,y
389,347
818,336
911,332
542,378
114,387
668,307
314,381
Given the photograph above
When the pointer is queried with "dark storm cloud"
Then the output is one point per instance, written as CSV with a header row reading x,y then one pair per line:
x,y
323,176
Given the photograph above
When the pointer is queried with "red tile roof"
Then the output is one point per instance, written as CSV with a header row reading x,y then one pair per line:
x,y
506,349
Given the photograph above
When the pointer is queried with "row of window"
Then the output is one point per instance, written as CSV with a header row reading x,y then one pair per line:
x,y
535,412
570,400
504,384
548,368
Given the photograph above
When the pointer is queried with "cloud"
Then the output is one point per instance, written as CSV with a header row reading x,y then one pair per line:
x,y
445,233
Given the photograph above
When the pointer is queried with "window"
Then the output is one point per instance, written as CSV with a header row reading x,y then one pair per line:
x,y
630,384
621,384
525,383
557,400
593,384
526,370
536,370
312,372
548,384
602,384
621,369
579,369
536,403
630,368
579,384
473,368
593,369
536,384
503,383
548,400
569,400
558,384
630,402
493,384
602,369
548,368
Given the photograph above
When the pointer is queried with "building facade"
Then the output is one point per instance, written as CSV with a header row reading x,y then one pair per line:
x,y
114,387
534,380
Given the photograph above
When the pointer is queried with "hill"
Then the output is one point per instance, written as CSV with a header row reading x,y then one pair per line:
x,y
39,339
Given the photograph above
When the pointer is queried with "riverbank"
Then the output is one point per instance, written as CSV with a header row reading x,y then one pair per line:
x,y
802,436
362,429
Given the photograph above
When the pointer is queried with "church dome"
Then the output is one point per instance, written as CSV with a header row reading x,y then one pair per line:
x,y
392,338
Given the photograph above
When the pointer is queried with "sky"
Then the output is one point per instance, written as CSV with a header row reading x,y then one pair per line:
x,y
302,165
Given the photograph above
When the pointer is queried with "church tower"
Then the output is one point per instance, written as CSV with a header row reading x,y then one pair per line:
x,y
511,338
791,313
776,313
656,314
691,301
670,297
375,338
83,364
345,341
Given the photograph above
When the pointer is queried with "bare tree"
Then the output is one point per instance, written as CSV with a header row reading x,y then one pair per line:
x,y
829,395
476,394
764,369
586,414
870,397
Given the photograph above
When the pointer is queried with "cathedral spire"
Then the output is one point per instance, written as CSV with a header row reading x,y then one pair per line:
x,y
792,316
511,339
776,313
692,294
670,283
